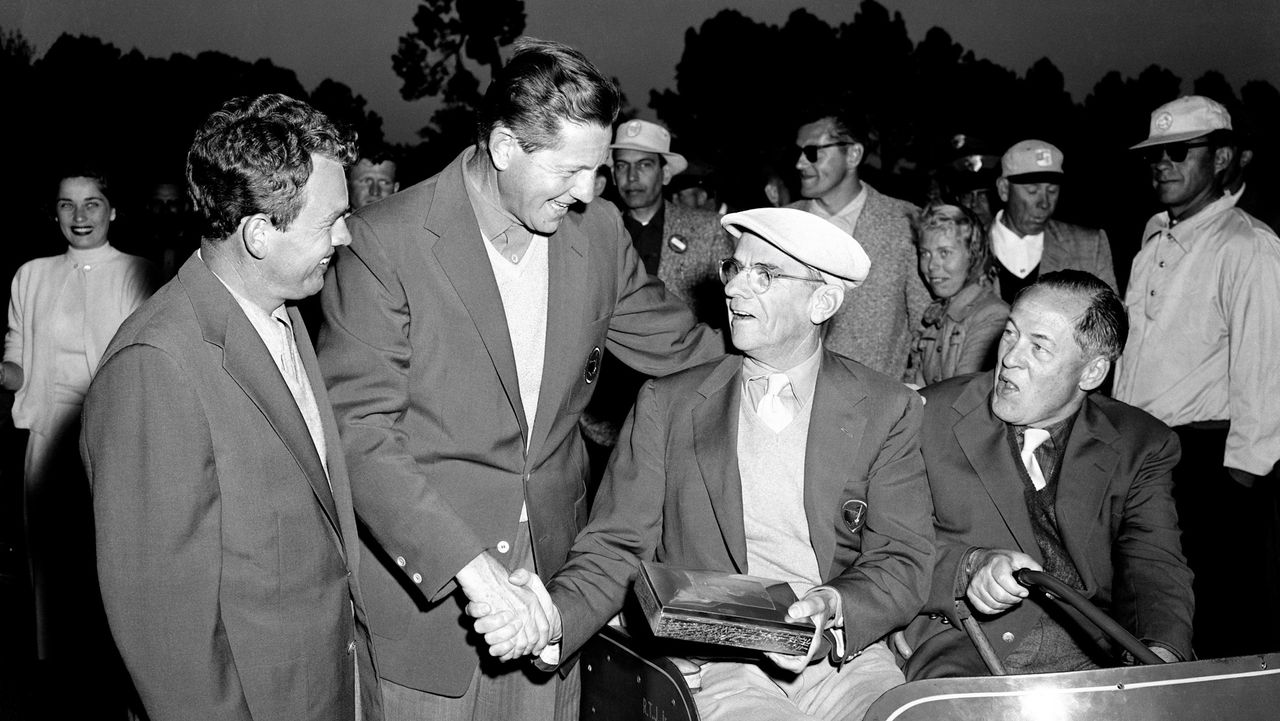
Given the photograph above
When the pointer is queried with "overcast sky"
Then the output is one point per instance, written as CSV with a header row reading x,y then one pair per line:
x,y
640,41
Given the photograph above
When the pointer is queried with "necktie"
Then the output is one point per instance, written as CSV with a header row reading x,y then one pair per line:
x,y
776,406
1031,440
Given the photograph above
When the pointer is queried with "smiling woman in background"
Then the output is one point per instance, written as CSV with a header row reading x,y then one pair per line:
x,y
960,328
63,311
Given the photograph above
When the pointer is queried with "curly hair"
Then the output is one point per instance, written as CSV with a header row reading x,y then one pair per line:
x,y
253,155
544,84
964,227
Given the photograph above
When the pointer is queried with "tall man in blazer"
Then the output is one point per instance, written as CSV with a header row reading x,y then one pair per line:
x,y
464,331
1030,469
876,322
1026,240
790,462
227,544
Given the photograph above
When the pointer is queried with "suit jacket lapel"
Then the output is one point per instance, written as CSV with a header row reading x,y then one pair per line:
x,y
715,442
246,360
566,301
835,434
461,254
335,459
1088,465
1054,255
982,438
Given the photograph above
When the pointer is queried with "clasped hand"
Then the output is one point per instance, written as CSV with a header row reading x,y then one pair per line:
x,y
513,610
820,605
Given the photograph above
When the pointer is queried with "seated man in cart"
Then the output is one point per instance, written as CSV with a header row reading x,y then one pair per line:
x,y
790,462
1031,469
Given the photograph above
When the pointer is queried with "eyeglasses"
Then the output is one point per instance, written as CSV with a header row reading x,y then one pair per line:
x,y
1177,152
810,152
759,277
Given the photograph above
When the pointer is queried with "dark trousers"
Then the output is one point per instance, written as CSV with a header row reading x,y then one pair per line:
x,y
1231,537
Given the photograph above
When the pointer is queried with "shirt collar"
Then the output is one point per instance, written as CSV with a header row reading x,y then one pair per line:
x,y
998,225
262,321
482,191
803,375
1185,232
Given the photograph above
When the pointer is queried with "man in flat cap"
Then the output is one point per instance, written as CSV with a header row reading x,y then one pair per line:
x,y
1204,309
789,462
1026,241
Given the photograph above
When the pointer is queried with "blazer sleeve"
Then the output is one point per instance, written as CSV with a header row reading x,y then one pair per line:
x,y
889,582
1153,594
626,522
364,352
157,509
652,330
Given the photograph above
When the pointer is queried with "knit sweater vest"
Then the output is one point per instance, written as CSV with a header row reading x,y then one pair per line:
x,y
771,466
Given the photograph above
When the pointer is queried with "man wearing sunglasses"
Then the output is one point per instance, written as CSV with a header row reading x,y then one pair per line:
x,y
875,323
1026,241
1204,313
789,462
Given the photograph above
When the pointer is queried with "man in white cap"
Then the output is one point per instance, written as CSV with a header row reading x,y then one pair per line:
x,y
789,462
1204,313
682,246
1026,241
876,323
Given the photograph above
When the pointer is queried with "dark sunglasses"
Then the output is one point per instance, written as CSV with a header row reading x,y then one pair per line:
x,y
1177,152
810,152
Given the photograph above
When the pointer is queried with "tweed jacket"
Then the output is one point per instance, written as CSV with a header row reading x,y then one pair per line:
x,y
693,274
876,322
1074,247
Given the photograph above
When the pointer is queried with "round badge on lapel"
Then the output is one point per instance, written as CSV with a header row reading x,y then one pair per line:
x,y
593,365
854,513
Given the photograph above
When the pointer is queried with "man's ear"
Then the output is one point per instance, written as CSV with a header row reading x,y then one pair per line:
x,y
254,232
503,146
854,156
1002,189
824,302
667,175
1094,373
1222,159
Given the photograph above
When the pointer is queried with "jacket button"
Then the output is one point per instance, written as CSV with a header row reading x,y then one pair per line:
x,y
400,561
946,621
1007,637
933,617
417,578
503,546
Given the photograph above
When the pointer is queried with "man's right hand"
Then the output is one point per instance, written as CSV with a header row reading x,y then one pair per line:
x,y
512,617
992,588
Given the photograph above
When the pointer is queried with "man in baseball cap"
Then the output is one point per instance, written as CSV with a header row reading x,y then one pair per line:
x,y
1026,241
788,461
1204,306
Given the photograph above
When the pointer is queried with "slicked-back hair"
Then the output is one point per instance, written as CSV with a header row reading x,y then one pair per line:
x,y
965,227
846,122
543,85
253,155
1103,328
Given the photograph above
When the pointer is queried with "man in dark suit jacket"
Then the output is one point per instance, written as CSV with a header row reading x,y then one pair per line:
x,y
818,483
465,327
1090,504
1025,239
227,549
